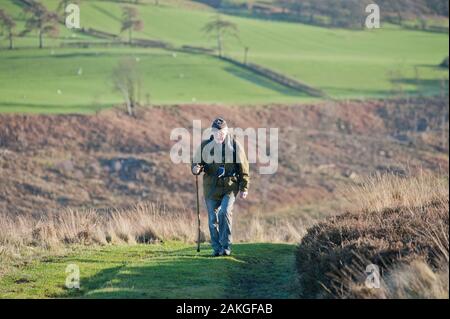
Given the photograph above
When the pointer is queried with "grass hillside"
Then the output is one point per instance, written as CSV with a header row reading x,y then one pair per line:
x,y
53,162
50,82
343,63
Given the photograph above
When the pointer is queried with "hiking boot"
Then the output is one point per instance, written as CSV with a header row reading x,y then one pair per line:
x,y
216,254
226,252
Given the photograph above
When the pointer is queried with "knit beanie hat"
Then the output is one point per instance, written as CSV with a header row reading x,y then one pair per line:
x,y
219,123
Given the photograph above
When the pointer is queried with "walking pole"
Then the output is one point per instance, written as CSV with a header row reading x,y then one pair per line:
x,y
198,214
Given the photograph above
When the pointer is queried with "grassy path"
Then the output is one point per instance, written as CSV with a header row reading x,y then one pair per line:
x,y
169,270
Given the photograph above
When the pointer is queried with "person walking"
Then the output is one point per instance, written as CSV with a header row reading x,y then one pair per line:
x,y
226,174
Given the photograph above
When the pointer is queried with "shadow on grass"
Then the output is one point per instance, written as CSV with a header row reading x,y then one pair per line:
x,y
263,82
253,271
100,52
424,85
107,13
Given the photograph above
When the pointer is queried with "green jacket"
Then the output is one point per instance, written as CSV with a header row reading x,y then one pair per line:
x,y
216,188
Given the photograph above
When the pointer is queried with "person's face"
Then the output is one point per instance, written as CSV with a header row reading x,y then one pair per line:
x,y
220,135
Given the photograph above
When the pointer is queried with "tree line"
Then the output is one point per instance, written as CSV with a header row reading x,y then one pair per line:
x,y
351,13
45,22
339,13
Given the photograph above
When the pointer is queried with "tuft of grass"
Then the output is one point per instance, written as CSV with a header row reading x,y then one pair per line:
x,y
382,191
418,280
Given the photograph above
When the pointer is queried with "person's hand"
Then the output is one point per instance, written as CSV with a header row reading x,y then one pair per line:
x,y
196,169
244,195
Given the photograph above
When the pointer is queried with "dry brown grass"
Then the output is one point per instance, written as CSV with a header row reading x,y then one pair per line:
x,y
382,191
418,280
144,223
23,237
401,226
259,228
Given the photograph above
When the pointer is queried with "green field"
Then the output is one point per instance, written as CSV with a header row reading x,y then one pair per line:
x,y
170,270
343,63
46,82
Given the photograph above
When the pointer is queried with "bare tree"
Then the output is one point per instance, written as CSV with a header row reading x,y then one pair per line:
x,y
7,24
62,5
41,19
220,28
127,81
131,21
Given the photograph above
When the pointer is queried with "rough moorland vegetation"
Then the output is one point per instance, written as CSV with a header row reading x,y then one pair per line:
x,y
401,225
